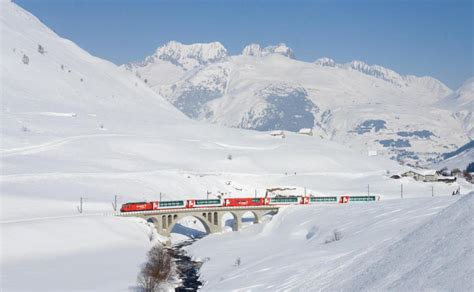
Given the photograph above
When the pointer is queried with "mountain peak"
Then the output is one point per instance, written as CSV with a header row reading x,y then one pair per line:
x,y
257,51
252,50
188,56
326,62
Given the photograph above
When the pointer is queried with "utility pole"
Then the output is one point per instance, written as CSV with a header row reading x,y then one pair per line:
x,y
401,191
79,208
207,194
368,190
255,193
305,191
160,196
114,204
432,191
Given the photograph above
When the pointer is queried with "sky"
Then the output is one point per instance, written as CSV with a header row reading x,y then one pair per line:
x,y
426,37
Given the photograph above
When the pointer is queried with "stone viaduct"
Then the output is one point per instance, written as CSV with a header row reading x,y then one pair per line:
x,y
211,217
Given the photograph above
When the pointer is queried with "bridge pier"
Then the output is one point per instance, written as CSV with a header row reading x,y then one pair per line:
x,y
210,218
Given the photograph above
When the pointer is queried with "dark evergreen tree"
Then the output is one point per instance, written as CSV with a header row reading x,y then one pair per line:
x,y
470,167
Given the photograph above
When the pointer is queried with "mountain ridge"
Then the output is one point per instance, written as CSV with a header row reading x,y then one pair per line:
x,y
264,89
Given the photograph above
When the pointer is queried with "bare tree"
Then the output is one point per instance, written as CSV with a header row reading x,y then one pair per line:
x,y
156,270
26,59
41,49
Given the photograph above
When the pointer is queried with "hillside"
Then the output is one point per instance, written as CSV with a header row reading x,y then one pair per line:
x,y
367,107
78,127
461,102
409,244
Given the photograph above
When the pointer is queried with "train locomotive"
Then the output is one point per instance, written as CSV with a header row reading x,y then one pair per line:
x,y
244,202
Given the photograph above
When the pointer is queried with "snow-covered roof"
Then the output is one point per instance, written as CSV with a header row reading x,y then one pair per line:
x,y
305,131
447,177
423,171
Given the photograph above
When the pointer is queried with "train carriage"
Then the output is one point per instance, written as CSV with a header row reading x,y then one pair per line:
x,y
240,202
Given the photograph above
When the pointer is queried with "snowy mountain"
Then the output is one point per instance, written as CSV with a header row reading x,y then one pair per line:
x,y
51,88
76,126
77,131
367,107
256,51
461,102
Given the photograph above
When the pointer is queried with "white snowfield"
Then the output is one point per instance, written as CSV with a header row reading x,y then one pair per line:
x,y
63,138
396,245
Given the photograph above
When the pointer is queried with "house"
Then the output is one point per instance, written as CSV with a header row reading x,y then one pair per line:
x,y
372,153
306,131
278,133
426,175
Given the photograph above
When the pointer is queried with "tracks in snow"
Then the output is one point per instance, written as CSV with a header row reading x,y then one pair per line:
x,y
50,145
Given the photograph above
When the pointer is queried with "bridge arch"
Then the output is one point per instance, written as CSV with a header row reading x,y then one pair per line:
x,y
152,220
187,231
230,219
249,217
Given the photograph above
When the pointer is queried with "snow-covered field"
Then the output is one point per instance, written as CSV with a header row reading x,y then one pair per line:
x,y
75,126
400,245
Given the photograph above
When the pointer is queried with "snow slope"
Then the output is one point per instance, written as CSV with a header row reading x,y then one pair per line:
x,y
401,245
368,107
109,134
461,102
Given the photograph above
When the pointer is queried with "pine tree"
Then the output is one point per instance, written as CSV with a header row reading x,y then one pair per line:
x,y
470,167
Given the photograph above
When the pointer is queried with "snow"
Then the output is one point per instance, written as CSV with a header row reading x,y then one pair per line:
x,y
110,134
245,91
409,244
89,252
461,102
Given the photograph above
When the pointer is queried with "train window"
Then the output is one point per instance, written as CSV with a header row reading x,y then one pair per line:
x,y
323,199
208,202
284,200
255,200
171,203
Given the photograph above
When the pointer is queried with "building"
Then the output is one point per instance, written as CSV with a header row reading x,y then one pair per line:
x,y
306,131
372,153
426,175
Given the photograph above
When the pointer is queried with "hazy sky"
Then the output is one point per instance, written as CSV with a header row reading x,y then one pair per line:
x,y
411,37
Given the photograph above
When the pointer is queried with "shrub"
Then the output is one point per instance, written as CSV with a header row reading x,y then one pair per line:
x,y
41,49
156,270
237,262
455,172
229,156
26,59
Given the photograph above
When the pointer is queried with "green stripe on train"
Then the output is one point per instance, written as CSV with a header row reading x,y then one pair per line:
x,y
284,200
323,199
171,203
208,202
362,198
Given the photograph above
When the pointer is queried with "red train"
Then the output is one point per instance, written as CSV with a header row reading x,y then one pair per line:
x,y
242,202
